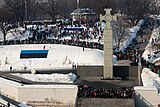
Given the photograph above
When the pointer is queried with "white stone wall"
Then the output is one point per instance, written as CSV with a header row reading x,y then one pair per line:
x,y
64,96
146,97
8,89
149,78
40,94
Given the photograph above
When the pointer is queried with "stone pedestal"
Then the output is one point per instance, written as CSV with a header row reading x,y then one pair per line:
x,y
108,53
108,44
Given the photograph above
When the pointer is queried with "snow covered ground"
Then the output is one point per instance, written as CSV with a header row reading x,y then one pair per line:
x,y
58,78
149,78
149,49
132,34
59,57
12,35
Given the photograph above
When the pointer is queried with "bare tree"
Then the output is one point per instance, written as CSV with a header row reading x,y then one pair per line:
x,y
31,6
50,8
5,17
134,9
3,29
97,5
17,7
120,30
66,7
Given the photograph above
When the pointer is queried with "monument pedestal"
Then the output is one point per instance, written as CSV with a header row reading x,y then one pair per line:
x,y
108,53
108,45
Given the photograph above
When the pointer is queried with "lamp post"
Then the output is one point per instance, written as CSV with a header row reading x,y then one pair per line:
x,y
77,4
25,10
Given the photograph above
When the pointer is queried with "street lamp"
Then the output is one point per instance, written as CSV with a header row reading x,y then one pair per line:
x,y
25,10
77,4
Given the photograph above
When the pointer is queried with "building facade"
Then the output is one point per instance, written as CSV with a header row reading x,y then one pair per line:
x,y
83,14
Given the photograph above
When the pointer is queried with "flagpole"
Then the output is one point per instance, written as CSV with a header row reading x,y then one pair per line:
x,y
77,4
25,10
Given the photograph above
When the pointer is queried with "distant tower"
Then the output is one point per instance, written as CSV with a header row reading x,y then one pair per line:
x,y
77,4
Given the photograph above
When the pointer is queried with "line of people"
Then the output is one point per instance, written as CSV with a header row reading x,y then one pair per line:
x,y
41,34
85,91
92,45
154,68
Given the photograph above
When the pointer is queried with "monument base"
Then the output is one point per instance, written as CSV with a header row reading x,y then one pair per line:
x,y
111,78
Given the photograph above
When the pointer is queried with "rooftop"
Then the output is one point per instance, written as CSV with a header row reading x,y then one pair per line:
x,y
83,11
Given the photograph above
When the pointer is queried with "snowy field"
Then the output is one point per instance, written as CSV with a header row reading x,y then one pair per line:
x,y
59,57
58,78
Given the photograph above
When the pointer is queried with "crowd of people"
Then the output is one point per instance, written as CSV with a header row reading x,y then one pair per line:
x,y
85,91
132,52
155,48
41,34
154,68
85,44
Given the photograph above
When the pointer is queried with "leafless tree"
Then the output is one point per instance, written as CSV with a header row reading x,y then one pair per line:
x,y
32,9
97,5
120,30
17,7
66,7
49,7
5,17
3,29
134,9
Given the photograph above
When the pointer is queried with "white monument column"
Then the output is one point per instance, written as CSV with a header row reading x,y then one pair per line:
x,y
108,44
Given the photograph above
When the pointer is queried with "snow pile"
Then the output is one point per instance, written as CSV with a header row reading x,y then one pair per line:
x,y
149,78
59,57
149,49
57,78
132,34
